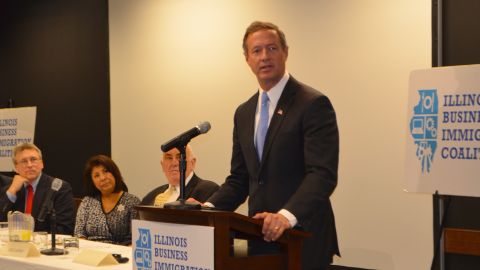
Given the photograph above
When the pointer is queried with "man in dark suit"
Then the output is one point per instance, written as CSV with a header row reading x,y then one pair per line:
x,y
5,181
28,162
195,187
289,173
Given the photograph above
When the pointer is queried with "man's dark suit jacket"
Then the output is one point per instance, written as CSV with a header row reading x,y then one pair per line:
x,y
5,181
298,170
63,204
196,188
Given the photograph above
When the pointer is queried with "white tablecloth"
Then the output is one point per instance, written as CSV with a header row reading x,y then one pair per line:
x,y
66,261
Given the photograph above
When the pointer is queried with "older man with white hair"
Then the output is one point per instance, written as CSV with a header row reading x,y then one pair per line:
x,y
195,187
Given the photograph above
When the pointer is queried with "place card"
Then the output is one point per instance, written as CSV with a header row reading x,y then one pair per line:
x,y
20,249
94,258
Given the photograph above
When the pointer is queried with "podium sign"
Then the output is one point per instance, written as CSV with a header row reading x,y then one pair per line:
x,y
159,245
17,125
443,131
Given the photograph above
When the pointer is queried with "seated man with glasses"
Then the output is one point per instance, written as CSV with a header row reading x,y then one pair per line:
x,y
28,191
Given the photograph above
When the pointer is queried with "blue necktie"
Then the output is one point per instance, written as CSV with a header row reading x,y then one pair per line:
x,y
262,125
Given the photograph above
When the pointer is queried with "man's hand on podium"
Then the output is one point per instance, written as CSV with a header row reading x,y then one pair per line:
x,y
274,225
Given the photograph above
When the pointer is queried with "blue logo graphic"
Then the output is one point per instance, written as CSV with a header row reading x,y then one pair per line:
x,y
143,250
423,127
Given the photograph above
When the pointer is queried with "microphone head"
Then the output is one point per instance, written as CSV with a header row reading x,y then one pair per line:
x,y
56,184
204,127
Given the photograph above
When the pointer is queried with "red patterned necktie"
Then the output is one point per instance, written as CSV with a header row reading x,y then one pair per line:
x,y
28,206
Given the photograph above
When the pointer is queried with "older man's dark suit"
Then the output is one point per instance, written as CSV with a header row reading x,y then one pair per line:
x,y
298,171
196,188
63,204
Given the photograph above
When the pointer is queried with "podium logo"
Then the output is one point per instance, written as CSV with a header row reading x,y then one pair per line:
x,y
423,127
143,250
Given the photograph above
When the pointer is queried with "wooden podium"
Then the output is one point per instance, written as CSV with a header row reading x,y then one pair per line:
x,y
227,224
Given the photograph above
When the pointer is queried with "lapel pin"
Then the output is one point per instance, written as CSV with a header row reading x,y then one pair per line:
x,y
280,112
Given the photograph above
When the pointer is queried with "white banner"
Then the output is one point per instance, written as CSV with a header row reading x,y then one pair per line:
x,y
17,125
167,246
443,138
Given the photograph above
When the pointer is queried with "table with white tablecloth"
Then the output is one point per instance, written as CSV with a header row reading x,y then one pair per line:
x,y
64,262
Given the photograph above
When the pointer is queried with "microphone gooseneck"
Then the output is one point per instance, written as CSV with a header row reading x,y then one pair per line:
x,y
184,138
48,202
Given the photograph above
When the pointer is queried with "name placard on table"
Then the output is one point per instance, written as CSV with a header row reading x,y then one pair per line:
x,y
95,258
19,249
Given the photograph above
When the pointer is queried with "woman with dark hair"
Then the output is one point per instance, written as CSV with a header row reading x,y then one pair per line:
x,y
107,209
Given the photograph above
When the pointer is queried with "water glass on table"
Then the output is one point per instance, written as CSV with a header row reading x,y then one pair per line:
x,y
71,245
40,239
4,237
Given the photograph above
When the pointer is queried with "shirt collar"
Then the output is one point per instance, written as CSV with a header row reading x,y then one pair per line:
x,y
187,179
276,91
34,183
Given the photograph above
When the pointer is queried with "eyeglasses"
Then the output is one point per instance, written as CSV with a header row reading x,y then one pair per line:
x,y
24,162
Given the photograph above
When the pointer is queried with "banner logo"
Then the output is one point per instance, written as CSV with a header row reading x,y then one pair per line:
x,y
143,250
424,126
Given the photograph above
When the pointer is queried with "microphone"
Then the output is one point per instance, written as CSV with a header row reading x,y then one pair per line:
x,y
48,202
184,138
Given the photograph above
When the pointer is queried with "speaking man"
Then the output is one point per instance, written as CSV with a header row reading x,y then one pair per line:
x,y
285,153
